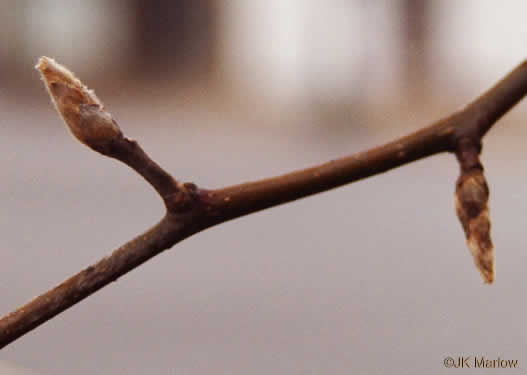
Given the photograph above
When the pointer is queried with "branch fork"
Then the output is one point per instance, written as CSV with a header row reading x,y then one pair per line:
x,y
191,209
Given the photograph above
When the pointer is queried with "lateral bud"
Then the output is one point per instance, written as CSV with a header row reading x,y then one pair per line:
x,y
82,111
472,196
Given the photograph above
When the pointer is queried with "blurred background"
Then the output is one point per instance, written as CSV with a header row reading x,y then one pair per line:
x,y
371,278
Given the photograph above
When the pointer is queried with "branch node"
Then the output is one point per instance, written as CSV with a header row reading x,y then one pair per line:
x,y
185,198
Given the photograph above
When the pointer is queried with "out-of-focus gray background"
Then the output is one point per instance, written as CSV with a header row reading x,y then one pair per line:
x,y
372,278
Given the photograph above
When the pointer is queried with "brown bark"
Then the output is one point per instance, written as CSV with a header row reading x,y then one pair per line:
x,y
191,209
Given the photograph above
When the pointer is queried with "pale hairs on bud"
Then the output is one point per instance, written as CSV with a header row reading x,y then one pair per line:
x,y
49,68
472,195
80,108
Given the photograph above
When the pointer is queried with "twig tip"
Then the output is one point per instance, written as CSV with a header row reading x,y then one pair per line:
x,y
80,108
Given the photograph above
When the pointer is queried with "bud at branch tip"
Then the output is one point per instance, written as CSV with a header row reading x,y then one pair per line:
x,y
80,108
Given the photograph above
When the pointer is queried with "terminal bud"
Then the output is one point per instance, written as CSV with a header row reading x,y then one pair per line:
x,y
80,108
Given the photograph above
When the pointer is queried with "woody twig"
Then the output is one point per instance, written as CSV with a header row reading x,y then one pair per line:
x,y
190,209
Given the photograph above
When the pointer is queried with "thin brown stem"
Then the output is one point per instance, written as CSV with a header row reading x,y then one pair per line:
x,y
86,282
238,200
190,209
479,116
131,153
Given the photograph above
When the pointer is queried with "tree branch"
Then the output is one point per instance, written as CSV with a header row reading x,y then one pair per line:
x,y
191,209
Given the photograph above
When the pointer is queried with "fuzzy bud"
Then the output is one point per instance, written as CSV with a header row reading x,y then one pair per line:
x,y
81,110
472,195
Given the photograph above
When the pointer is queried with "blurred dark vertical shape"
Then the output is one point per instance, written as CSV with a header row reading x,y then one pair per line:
x,y
176,36
12,42
414,18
